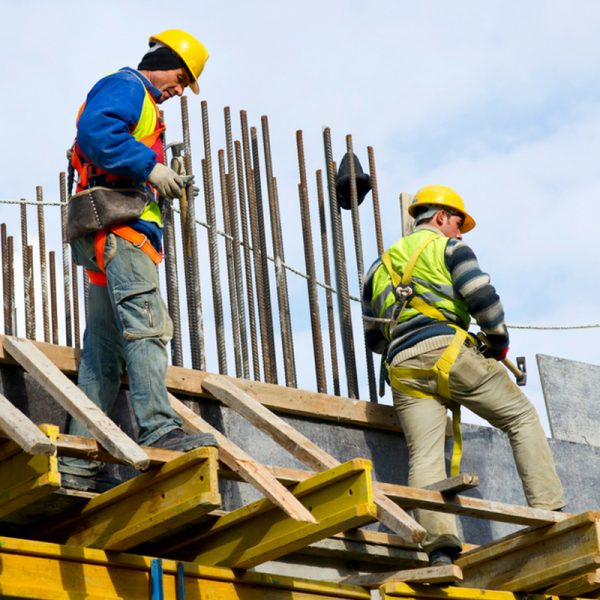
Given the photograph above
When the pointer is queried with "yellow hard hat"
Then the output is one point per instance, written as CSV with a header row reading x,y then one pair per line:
x,y
193,53
440,195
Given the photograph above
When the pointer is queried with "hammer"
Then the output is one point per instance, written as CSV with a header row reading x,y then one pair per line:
x,y
519,370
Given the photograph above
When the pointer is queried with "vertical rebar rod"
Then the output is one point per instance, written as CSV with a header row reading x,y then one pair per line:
x,y
76,323
213,244
247,263
53,298
191,253
285,324
230,268
375,195
29,290
65,259
11,285
28,299
86,295
5,281
262,238
256,249
340,271
360,265
309,259
234,232
328,295
43,266
171,279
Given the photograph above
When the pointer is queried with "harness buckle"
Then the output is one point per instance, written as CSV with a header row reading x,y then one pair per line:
x,y
403,292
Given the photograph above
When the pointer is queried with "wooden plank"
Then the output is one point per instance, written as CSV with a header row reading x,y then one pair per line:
x,y
75,402
536,559
25,478
244,465
441,574
586,585
280,399
21,430
305,450
48,571
410,497
147,506
339,498
414,590
456,484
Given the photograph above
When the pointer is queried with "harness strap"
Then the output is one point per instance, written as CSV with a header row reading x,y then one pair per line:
x,y
139,240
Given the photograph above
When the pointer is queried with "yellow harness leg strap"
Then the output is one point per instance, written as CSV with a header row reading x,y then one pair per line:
x,y
441,369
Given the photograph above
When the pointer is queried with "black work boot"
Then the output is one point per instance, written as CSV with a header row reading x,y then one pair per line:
x,y
443,556
178,439
98,482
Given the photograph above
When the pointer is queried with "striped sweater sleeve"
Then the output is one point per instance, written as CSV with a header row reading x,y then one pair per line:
x,y
474,286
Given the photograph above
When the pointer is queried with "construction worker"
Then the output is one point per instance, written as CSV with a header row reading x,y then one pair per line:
x,y
119,146
418,299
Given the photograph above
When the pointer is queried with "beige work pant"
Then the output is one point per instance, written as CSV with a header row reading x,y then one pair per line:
x,y
484,387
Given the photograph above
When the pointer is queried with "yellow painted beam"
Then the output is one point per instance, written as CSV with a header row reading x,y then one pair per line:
x,y
45,571
340,498
25,478
422,592
147,506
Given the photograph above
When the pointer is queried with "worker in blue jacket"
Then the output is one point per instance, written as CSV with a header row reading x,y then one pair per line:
x,y
119,146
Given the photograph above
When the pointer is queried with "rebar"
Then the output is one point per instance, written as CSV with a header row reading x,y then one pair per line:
x,y
53,299
234,232
65,260
75,286
375,196
285,324
340,271
11,285
30,290
230,268
86,295
213,246
171,276
262,240
256,250
247,263
43,266
5,281
309,259
360,265
191,252
328,295
28,299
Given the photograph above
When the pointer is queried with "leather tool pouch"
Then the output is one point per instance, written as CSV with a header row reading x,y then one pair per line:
x,y
97,208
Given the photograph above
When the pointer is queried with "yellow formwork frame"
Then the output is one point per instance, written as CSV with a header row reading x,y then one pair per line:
x,y
45,571
340,498
25,478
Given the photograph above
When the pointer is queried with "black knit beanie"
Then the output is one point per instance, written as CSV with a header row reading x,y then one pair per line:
x,y
160,58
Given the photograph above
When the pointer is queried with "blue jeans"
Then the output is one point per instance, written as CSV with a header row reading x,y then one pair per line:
x,y
128,326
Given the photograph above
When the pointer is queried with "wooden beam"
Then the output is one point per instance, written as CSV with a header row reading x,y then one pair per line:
x,y
244,465
414,590
456,484
410,497
536,559
148,506
21,430
586,585
280,399
75,402
305,450
339,499
49,571
441,574
25,478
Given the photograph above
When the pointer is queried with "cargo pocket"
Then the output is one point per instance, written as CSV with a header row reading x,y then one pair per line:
x,y
469,370
143,313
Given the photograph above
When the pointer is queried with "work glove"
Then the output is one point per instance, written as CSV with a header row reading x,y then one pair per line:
x,y
167,182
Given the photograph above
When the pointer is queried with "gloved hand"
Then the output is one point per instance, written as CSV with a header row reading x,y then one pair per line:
x,y
167,182
491,352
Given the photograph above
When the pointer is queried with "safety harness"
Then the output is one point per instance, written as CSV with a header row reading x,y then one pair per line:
x,y
441,369
139,240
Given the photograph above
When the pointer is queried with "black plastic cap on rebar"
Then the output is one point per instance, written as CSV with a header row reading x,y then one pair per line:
x,y
342,182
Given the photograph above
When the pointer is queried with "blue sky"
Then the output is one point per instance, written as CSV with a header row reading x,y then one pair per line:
x,y
498,99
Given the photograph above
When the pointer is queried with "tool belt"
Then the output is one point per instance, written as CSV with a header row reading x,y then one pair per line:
x,y
97,208
139,240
